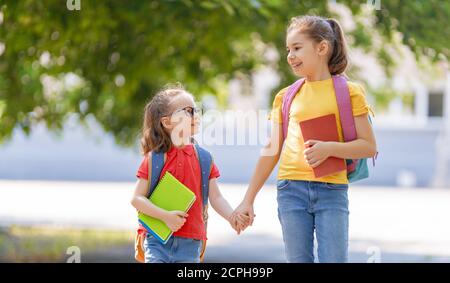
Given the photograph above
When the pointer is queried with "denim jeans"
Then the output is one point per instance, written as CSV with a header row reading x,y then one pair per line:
x,y
307,206
176,250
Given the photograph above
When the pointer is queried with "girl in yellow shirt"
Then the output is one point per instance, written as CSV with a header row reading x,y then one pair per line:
x,y
316,50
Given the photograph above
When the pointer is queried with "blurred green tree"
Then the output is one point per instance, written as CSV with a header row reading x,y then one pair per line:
x,y
107,59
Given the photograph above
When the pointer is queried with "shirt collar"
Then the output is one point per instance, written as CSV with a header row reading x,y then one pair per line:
x,y
187,149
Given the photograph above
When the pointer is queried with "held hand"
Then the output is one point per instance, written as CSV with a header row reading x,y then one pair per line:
x,y
233,222
316,152
175,219
239,222
245,213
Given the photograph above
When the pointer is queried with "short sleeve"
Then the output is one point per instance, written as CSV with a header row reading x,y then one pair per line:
x,y
275,113
358,99
214,172
142,172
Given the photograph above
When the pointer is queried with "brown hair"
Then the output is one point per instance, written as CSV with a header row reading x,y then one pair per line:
x,y
154,136
318,29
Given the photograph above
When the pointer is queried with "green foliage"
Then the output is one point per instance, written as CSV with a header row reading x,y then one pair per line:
x,y
124,51
384,95
423,25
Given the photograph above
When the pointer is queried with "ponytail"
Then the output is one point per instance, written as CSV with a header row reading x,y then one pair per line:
x,y
339,59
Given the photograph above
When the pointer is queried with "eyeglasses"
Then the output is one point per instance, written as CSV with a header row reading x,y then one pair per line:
x,y
191,111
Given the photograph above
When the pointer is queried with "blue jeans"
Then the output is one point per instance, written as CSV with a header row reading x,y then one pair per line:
x,y
305,206
176,250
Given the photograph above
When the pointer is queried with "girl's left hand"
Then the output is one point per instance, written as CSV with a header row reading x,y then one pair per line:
x,y
239,222
316,152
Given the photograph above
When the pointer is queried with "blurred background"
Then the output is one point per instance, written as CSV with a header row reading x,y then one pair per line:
x,y
75,76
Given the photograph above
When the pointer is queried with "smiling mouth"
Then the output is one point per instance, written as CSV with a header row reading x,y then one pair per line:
x,y
296,65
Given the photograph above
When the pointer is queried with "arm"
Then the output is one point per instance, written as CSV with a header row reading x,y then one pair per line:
x,y
142,204
218,202
173,219
223,208
270,155
363,147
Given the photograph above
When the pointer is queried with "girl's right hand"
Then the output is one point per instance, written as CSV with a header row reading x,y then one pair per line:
x,y
245,208
175,219
239,222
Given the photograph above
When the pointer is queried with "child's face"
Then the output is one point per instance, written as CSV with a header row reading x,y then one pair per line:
x,y
304,55
183,120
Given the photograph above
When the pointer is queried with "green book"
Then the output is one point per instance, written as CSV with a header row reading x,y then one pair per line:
x,y
170,194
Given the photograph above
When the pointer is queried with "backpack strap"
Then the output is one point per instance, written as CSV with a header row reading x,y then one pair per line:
x,y
156,163
376,154
345,114
205,160
343,101
288,97
345,108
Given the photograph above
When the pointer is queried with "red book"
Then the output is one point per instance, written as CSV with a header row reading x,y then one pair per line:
x,y
323,128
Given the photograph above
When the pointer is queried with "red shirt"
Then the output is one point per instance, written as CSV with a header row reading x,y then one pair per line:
x,y
183,164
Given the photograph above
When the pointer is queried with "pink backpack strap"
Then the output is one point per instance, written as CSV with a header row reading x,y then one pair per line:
x,y
286,104
345,112
345,108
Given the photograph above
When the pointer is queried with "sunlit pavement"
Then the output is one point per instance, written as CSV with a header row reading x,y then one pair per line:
x,y
387,224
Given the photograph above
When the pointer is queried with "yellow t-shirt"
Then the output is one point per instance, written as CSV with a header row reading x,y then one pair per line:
x,y
315,99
